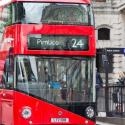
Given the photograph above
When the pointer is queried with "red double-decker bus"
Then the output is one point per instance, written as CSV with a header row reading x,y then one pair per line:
x,y
47,62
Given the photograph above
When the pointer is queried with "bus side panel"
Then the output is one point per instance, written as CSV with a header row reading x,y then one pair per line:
x,y
7,107
43,112
1,93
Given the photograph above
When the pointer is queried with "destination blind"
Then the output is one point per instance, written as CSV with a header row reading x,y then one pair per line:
x,y
57,42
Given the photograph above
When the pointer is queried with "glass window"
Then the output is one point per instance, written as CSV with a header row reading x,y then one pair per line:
x,y
1,24
103,34
52,13
91,16
57,80
6,15
8,75
5,19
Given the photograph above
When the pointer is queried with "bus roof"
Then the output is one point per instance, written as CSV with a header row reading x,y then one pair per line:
x,y
3,2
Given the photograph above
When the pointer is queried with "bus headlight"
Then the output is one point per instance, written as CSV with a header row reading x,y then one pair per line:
x,y
90,112
26,112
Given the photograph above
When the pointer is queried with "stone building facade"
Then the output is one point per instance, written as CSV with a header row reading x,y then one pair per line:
x,y
110,33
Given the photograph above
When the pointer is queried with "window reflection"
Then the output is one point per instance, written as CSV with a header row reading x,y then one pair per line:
x,y
51,13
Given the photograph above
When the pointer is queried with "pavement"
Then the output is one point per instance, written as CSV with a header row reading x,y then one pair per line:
x,y
110,121
103,123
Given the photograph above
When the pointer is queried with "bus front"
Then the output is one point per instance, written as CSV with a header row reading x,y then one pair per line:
x,y
54,60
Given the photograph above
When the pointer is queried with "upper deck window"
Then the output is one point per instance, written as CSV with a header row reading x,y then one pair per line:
x,y
52,13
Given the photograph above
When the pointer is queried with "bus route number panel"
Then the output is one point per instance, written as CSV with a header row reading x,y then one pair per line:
x,y
57,42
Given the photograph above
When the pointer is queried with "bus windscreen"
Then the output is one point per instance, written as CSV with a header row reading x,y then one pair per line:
x,y
55,79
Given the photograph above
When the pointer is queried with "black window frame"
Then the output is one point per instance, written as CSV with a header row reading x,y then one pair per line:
x,y
8,73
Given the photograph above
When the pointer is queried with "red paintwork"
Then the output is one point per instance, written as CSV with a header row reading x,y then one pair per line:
x,y
20,40
12,102
3,2
40,112
6,106
67,1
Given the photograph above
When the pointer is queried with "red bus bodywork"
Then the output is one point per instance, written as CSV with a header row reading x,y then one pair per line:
x,y
3,2
12,102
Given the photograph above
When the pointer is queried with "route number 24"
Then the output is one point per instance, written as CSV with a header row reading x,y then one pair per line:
x,y
77,43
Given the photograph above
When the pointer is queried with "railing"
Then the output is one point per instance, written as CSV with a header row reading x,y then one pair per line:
x,y
116,101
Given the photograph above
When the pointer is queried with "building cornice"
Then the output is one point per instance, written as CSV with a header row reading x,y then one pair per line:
x,y
115,5
121,7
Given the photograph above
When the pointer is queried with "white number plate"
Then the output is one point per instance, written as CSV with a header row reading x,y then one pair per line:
x,y
59,120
